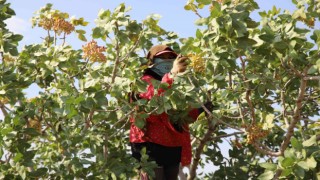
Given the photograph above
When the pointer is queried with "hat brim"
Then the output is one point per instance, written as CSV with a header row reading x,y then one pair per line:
x,y
165,51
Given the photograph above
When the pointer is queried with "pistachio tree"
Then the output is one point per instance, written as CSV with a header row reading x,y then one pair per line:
x,y
262,77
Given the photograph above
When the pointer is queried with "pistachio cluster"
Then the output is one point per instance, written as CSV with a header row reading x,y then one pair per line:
x,y
255,132
56,24
93,52
8,58
197,63
35,123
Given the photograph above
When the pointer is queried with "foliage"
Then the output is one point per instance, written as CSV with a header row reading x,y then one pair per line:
x,y
263,78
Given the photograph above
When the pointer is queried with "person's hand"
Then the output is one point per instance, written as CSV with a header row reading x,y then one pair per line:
x,y
179,65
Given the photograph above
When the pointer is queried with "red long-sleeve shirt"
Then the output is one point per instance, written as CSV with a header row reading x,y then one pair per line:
x,y
159,130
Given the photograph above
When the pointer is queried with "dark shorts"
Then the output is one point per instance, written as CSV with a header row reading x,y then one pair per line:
x,y
163,155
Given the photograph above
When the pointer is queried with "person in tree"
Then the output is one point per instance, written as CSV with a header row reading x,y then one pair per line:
x,y
166,143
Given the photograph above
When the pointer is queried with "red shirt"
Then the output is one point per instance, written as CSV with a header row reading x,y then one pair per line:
x,y
159,130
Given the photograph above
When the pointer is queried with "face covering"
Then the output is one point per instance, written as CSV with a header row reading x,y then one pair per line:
x,y
162,66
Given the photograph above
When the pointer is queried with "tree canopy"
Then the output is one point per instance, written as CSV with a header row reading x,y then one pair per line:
x,y
263,78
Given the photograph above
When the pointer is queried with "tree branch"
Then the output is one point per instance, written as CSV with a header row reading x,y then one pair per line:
x,y
265,150
199,150
311,78
210,115
133,47
3,109
225,135
248,91
116,64
296,117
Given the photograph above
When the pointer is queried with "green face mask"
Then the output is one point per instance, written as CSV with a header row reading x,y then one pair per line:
x,y
162,66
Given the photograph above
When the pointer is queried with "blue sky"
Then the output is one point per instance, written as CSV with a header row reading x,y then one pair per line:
x,y
173,15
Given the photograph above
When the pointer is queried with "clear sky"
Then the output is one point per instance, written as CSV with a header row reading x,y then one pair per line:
x,y
173,15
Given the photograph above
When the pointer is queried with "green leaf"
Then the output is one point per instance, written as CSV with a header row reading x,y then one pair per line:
x,y
286,172
97,32
280,46
299,172
316,36
269,121
39,172
205,2
140,121
310,142
268,166
81,35
31,131
310,163
287,162
304,165
296,144
266,175
216,9
18,157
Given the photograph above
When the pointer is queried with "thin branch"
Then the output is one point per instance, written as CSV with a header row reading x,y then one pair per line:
x,y
286,65
3,109
229,117
124,117
311,78
199,150
210,115
284,109
230,80
55,38
225,135
48,41
265,150
88,121
133,47
117,62
248,91
8,157
241,111
119,129
64,38
197,13
105,147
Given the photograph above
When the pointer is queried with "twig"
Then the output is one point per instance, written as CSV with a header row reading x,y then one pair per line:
x,y
248,91
284,109
265,150
119,129
225,135
3,109
88,121
311,78
105,147
64,38
295,71
117,62
133,47
210,115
